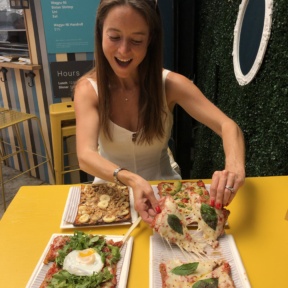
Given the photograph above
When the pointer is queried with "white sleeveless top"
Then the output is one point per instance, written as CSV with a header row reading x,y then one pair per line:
x,y
151,162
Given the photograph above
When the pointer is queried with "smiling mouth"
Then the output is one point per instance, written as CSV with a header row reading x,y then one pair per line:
x,y
123,62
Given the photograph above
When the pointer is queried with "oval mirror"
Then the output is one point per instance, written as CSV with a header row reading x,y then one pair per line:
x,y
251,35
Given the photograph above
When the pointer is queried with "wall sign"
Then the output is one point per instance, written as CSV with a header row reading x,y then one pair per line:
x,y
64,75
69,25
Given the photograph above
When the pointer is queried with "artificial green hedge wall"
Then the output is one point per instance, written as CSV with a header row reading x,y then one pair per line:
x,y
260,108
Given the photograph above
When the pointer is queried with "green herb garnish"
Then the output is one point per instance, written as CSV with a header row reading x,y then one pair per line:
x,y
209,215
206,283
66,280
80,241
175,223
185,269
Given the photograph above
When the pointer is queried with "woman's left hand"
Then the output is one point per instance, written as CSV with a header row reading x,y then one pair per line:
x,y
224,187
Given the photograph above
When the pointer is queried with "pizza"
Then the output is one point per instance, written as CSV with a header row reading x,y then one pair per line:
x,y
172,226
197,274
102,204
181,192
192,199
82,260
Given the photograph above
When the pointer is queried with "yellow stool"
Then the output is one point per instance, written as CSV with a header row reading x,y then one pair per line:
x,y
63,124
11,118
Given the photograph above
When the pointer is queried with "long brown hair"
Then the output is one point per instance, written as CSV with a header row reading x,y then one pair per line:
x,y
151,105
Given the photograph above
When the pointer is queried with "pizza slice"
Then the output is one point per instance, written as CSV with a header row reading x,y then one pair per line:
x,y
57,244
217,278
192,199
181,191
172,226
210,221
197,274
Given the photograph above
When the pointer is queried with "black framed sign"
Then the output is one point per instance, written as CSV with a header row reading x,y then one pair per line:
x,y
65,74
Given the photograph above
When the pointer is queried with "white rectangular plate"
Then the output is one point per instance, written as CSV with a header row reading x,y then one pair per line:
x,y
122,267
160,251
71,206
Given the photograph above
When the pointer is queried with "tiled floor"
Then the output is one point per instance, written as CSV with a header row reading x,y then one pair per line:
x,y
12,187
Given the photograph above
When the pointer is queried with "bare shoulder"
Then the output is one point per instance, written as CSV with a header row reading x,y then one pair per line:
x,y
84,89
84,85
176,81
177,86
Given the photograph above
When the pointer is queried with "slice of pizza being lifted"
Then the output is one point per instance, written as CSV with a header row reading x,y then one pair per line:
x,y
192,199
172,226
210,221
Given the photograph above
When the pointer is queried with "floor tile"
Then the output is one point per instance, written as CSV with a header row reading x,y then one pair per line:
x,y
12,187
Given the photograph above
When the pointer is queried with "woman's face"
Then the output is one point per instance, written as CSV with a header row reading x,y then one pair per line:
x,y
125,40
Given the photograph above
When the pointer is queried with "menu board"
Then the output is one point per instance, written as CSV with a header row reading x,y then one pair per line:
x,y
69,25
65,74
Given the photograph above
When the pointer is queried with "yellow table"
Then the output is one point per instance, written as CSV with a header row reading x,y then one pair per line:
x,y
257,222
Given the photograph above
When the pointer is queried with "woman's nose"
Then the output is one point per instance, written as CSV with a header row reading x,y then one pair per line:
x,y
124,47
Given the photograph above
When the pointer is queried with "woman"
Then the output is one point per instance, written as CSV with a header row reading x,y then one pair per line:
x,y
124,109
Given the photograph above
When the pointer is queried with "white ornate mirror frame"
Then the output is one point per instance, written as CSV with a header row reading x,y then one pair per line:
x,y
247,78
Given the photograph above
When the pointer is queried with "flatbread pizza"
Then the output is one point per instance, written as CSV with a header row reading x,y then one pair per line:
x,y
101,204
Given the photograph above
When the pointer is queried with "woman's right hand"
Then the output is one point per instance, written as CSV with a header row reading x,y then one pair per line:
x,y
145,202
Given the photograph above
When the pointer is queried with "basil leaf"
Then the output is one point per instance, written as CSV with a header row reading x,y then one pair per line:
x,y
185,269
175,223
209,215
206,283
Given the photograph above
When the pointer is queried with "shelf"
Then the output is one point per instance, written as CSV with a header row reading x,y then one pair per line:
x,y
13,65
11,29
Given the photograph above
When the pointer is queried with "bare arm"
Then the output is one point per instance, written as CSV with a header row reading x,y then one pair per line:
x,y
180,90
90,161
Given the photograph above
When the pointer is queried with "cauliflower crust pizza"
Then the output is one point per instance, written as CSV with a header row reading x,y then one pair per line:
x,y
82,260
184,203
192,201
198,274
103,204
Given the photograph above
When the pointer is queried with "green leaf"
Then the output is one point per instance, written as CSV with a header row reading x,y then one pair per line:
x,y
64,279
175,223
206,283
80,241
185,269
209,215
116,255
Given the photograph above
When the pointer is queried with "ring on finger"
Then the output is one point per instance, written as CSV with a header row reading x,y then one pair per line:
x,y
231,189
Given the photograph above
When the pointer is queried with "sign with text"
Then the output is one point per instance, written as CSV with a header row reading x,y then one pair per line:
x,y
65,74
69,25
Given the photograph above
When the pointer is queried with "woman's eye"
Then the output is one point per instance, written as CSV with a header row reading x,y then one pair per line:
x,y
136,42
114,38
